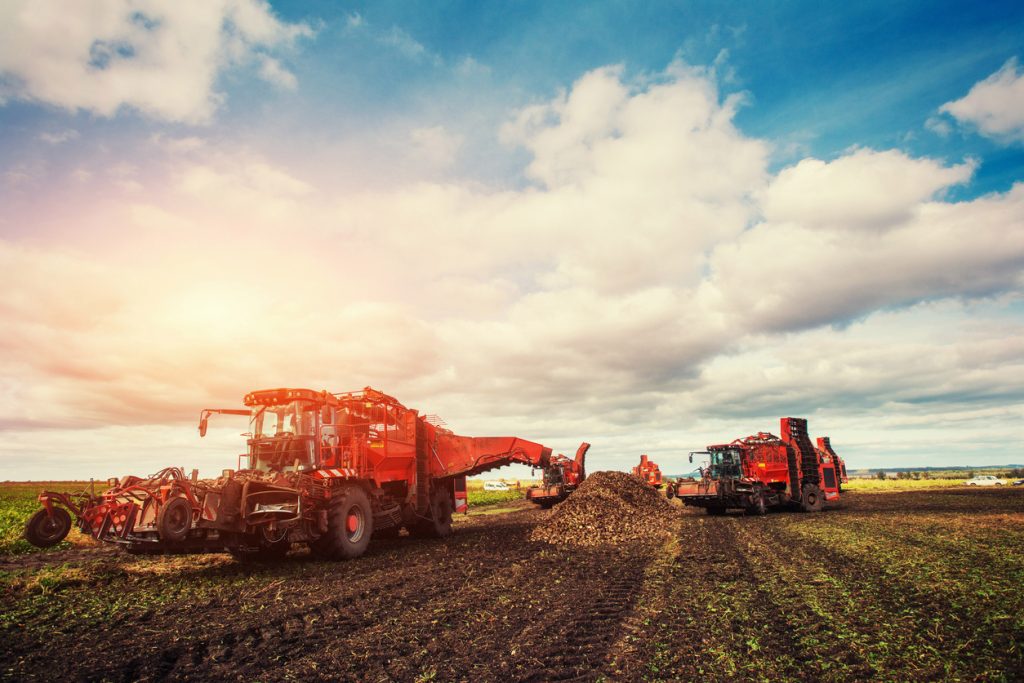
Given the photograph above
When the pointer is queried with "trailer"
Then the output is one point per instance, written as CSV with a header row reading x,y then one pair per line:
x,y
321,469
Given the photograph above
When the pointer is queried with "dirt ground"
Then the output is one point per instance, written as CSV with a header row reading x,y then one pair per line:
x,y
924,585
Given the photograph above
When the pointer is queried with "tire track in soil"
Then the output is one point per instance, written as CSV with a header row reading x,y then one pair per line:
x,y
466,635
395,573
254,650
576,646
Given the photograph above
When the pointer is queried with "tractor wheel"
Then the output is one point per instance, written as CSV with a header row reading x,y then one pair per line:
x,y
757,505
812,499
440,523
45,529
670,493
174,520
349,526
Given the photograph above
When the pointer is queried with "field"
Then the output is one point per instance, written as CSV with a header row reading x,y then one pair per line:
x,y
905,585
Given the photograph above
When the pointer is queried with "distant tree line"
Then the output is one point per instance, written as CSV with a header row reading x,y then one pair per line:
x,y
1016,473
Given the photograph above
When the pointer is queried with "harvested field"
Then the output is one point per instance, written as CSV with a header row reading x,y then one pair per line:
x,y
898,586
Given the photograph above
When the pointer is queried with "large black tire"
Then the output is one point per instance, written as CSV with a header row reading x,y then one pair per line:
x,y
439,525
812,499
174,520
44,530
670,492
757,505
349,526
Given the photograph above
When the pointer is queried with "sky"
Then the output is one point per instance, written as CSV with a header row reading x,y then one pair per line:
x,y
650,226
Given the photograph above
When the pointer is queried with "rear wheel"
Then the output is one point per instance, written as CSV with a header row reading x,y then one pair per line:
x,y
48,528
349,526
439,524
812,499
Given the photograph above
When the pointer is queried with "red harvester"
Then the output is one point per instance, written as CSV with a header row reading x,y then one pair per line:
x,y
648,472
327,470
561,477
763,471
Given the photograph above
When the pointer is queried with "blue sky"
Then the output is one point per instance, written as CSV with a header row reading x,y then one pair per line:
x,y
653,226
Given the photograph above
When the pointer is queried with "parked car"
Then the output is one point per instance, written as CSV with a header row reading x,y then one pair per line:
x,y
984,480
1019,482
496,486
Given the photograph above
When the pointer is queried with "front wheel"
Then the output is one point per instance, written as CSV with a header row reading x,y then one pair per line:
x,y
812,500
439,524
670,493
349,526
48,528
757,506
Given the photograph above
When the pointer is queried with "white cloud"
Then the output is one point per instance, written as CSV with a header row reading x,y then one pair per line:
x,y
435,145
653,272
159,57
59,137
995,105
864,189
272,72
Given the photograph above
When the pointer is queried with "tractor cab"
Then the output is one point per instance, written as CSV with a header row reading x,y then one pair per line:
x,y
283,434
725,462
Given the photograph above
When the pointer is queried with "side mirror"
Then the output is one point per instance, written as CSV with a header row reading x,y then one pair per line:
x,y
204,419
691,457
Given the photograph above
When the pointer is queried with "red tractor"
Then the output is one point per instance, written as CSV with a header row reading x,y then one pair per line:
x,y
765,471
561,477
325,470
648,472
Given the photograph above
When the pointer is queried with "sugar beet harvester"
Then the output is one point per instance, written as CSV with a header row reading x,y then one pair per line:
x,y
764,471
561,477
327,470
648,472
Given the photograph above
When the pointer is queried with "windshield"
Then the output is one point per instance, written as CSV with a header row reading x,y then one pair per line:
x,y
725,464
297,418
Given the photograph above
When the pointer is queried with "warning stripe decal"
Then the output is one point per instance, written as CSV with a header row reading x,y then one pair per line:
x,y
335,472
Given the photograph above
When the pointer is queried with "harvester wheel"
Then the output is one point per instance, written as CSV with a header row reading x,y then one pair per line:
x,y
45,529
670,492
812,499
440,523
349,526
174,520
757,505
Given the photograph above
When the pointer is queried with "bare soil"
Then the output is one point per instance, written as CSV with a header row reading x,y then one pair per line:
x,y
896,586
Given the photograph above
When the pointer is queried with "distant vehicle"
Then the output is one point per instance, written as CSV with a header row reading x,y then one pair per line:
x,y
1019,482
984,480
496,486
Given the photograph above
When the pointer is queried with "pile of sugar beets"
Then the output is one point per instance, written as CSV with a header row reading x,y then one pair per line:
x,y
609,508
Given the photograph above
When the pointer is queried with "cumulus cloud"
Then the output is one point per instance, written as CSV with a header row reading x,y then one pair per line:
x,y
651,272
161,58
995,105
